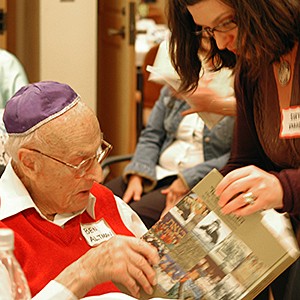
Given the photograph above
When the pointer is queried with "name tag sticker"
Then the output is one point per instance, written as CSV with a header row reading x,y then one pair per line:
x,y
96,233
290,123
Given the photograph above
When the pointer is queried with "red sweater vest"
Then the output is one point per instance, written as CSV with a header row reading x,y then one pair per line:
x,y
45,249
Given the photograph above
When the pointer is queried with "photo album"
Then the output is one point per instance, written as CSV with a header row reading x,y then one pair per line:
x,y
205,254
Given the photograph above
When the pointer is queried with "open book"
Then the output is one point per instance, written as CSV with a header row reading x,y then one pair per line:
x,y
207,255
163,72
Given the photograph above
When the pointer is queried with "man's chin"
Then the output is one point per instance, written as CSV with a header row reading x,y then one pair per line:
x,y
81,200
84,193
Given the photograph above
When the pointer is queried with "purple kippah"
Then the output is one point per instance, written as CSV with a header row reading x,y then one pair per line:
x,y
36,104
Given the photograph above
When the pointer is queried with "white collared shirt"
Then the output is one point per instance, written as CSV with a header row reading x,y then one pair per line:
x,y
186,151
11,188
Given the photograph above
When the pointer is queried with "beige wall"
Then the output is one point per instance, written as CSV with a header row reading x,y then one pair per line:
x,y
57,40
23,34
68,45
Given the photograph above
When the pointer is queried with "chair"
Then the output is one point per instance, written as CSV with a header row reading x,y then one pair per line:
x,y
149,90
146,97
114,159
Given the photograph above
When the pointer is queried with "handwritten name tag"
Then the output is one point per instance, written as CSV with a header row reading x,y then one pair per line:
x,y
96,233
290,123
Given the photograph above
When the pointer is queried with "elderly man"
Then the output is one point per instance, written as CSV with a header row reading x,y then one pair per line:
x,y
72,234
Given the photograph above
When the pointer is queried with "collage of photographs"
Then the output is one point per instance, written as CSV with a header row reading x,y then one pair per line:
x,y
201,258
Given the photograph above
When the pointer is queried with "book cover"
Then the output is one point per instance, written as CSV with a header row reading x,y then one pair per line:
x,y
207,255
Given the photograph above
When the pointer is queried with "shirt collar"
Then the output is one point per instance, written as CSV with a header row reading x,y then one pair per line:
x,y
14,198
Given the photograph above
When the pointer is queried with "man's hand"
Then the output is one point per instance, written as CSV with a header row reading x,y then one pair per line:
x,y
125,260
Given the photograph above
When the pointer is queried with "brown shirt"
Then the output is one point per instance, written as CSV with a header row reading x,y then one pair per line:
x,y
267,115
256,136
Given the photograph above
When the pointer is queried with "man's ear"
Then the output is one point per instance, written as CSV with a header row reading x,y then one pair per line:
x,y
29,162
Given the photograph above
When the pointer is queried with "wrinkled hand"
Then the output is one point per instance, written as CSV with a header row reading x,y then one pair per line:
x,y
134,189
265,187
173,194
125,260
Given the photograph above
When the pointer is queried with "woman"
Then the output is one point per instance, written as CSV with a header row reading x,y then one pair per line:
x,y
173,154
264,35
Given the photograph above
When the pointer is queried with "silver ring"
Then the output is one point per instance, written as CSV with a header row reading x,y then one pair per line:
x,y
249,198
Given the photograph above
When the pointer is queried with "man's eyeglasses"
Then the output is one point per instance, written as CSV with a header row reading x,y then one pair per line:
x,y
82,168
208,32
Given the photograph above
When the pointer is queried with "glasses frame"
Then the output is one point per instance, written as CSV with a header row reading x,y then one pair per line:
x,y
99,156
211,31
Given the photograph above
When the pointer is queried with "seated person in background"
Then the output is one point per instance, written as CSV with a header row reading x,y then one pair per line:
x,y
72,234
3,137
173,153
12,76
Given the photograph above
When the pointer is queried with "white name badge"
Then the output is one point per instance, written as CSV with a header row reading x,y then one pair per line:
x,y
290,123
96,233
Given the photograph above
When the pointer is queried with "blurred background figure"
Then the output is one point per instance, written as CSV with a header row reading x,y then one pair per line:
x,y
12,76
173,153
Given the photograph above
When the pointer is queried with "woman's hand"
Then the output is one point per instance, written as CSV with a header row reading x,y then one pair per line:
x,y
134,189
247,190
173,194
207,100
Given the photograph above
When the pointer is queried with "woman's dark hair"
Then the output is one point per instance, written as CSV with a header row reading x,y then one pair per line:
x,y
267,29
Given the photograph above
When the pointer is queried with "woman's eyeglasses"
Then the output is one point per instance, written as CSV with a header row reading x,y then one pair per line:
x,y
225,26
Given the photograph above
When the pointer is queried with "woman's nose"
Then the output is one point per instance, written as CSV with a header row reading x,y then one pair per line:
x,y
225,40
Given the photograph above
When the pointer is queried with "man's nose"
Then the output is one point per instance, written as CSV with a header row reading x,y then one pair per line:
x,y
95,173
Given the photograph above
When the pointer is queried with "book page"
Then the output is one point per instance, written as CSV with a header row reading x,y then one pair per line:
x,y
114,296
207,255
